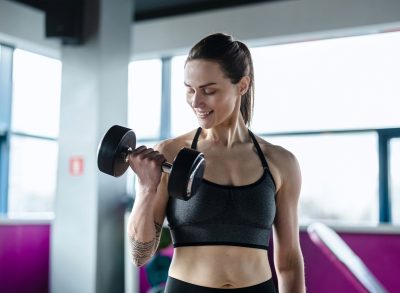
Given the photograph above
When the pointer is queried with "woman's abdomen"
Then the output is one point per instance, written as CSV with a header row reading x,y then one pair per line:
x,y
220,266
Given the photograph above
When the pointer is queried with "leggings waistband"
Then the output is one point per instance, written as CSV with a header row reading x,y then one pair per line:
x,y
177,286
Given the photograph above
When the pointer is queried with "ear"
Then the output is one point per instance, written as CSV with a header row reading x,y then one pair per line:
x,y
244,84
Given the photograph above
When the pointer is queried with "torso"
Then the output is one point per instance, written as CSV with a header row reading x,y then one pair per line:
x,y
221,266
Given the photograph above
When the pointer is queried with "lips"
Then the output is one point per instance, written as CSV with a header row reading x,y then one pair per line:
x,y
204,115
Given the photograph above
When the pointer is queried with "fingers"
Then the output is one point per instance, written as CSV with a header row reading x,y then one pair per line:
x,y
138,150
159,158
143,153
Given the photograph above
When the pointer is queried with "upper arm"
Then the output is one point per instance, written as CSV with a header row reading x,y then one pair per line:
x,y
286,228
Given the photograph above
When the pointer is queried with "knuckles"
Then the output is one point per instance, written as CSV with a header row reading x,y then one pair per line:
x,y
146,156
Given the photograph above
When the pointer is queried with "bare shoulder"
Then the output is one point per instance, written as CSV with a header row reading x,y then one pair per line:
x,y
170,147
282,162
278,155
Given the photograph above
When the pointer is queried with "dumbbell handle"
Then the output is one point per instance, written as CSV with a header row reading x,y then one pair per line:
x,y
165,166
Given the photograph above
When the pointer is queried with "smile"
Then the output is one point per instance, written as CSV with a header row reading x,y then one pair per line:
x,y
204,114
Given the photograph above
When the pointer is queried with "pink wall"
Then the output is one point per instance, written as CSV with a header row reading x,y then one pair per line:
x,y
24,258
380,253
25,250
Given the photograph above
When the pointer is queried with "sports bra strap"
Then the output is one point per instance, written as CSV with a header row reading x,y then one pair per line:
x,y
196,137
259,151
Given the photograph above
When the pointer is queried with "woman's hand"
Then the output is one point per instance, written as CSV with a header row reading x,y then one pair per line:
x,y
146,163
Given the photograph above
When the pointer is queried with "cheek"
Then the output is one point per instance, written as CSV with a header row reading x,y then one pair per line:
x,y
228,102
189,100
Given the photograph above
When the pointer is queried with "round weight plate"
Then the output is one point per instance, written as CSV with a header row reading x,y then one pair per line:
x,y
197,173
182,176
120,163
116,141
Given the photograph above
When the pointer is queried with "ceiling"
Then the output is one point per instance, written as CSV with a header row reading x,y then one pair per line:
x,y
152,9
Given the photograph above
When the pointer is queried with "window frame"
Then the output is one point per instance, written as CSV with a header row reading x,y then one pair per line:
x,y
384,137
6,63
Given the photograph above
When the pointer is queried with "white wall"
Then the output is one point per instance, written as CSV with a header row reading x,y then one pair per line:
x,y
23,27
267,23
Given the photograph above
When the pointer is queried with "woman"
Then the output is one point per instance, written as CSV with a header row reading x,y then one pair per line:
x,y
221,234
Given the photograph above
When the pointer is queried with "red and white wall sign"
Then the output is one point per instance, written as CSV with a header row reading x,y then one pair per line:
x,y
76,164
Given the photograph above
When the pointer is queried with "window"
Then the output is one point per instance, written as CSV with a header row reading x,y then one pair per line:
x,y
394,178
34,131
344,83
183,118
36,94
144,102
144,106
339,176
329,85
33,175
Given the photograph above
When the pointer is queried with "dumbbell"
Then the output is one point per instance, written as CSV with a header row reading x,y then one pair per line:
x,y
185,173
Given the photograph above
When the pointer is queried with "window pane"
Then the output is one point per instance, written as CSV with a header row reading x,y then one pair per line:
x,y
345,83
339,176
33,173
395,178
36,94
182,116
144,102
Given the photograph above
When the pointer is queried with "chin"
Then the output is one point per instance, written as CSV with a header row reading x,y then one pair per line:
x,y
204,126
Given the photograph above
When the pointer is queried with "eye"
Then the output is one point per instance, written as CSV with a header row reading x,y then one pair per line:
x,y
189,91
208,91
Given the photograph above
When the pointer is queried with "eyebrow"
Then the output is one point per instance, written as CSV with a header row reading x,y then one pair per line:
x,y
202,86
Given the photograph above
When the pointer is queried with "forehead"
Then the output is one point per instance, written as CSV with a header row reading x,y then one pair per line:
x,y
201,71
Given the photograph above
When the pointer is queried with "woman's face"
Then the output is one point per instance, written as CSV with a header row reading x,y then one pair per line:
x,y
210,94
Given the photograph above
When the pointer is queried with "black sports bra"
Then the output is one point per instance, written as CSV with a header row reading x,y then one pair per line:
x,y
223,214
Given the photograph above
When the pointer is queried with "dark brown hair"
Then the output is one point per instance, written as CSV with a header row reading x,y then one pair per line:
x,y
235,61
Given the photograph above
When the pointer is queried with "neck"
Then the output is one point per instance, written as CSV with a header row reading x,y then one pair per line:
x,y
229,133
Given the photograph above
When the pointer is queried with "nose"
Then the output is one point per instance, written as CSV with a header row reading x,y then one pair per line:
x,y
196,99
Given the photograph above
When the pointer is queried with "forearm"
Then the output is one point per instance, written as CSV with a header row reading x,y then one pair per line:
x,y
143,231
291,279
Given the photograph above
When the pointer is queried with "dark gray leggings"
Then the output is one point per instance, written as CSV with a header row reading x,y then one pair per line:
x,y
177,286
